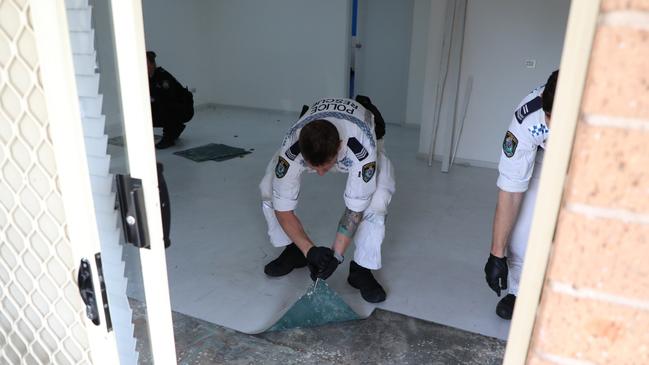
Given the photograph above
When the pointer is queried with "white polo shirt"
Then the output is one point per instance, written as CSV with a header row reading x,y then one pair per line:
x,y
524,143
356,157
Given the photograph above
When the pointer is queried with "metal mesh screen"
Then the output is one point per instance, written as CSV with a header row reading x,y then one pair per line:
x,y
41,314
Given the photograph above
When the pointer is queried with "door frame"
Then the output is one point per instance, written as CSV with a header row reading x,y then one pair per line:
x,y
580,32
128,35
50,26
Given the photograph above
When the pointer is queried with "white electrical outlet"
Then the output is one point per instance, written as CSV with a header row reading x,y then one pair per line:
x,y
530,63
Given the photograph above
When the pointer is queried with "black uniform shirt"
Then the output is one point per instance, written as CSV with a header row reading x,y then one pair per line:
x,y
163,87
169,103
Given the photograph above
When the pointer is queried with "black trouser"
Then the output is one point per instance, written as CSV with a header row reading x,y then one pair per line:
x,y
170,118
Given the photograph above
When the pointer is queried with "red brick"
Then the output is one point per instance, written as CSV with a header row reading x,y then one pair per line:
x,y
590,330
610,168
601,254
618,81
611,5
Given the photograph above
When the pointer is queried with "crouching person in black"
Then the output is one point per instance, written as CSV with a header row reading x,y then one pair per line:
x,y
172,105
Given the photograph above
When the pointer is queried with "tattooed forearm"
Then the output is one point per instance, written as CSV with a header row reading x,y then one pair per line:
x,y
349,222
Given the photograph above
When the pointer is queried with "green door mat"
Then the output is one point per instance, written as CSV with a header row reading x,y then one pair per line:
x,y
213,152
318,306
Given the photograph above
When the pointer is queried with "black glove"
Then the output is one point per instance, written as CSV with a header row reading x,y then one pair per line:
x,y
496,273
321,262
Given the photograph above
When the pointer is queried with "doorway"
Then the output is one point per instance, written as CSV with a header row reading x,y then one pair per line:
x,y
218,254
221,234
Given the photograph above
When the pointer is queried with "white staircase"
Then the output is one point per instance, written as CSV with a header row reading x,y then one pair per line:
x,y
82,38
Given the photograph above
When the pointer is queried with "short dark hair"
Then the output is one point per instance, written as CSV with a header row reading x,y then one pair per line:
x,y
319,141
548,92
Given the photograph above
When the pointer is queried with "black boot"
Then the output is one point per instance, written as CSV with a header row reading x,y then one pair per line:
x,y
169,136
179,131
291,258
165,142
362,279
505,307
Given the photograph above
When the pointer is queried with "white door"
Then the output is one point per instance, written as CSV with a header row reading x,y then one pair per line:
x,y
73,88
382,55
146,270
48,237
54,303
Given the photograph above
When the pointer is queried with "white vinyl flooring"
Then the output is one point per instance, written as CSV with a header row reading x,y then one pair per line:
x,y
437,241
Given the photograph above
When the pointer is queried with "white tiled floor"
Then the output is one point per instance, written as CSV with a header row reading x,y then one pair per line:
x,y
438,231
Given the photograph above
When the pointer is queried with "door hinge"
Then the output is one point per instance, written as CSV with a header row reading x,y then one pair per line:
x,y
102,288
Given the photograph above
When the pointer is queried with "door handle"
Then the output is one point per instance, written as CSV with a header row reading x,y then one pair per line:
x,y
130,196
87,291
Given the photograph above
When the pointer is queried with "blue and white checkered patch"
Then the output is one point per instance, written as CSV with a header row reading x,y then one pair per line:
x,y
538,130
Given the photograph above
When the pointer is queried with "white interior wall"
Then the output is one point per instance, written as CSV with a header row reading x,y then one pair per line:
x,y
289,52
280,54
168,26
383,61
417,64
500,36
433,53
178,32
274,55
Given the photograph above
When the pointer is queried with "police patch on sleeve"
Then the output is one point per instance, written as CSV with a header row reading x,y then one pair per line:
x,y
281,168
368,171
509,144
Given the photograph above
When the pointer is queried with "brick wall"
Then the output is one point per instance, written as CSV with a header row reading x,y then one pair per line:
x,y
595,302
